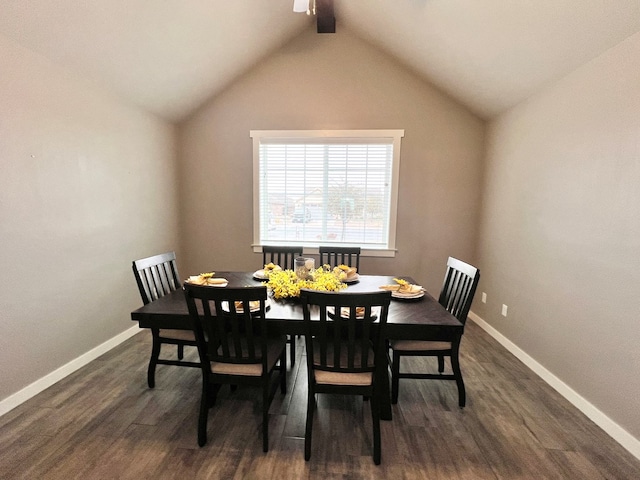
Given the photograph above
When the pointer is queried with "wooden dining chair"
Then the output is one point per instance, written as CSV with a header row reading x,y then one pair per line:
x,y
157,276
234,346
334,256
458,290
285,258
345,351
281,255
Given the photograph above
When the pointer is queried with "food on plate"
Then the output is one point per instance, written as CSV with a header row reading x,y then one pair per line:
x,y
253,305
206,279
345,272
266,271
345,312
402,286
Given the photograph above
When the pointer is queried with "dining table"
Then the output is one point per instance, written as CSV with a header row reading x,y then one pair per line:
x,y
408,318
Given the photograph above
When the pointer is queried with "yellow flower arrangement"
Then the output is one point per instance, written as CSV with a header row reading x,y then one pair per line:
x,y
286,284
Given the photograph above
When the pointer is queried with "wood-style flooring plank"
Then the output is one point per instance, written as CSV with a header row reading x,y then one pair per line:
x,y
104,422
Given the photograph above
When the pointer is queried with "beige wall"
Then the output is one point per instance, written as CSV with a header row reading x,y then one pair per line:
x,y
87,185
333,82
560,234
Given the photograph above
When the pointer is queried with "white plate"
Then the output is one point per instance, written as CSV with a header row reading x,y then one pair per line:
x,y
407,296
355,278
262,274
259,275
253,306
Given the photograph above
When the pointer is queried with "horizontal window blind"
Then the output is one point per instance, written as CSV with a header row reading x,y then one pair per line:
x,y
325,190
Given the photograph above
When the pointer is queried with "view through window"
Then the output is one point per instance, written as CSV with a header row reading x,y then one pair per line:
x,y
320,187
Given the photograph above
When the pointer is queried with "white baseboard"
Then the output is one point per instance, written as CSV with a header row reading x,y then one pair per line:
x,y
41,384
618,433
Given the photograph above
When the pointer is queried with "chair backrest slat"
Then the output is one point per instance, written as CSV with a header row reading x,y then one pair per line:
x,y
459,287
156,276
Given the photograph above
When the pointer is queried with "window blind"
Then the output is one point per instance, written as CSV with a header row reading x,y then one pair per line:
x,y
316,188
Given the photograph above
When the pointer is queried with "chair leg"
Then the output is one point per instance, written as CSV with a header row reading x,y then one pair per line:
x,y
153,361
311,404
440,363
283,372
395,377
180,351
375,416
265,416
455,366
292,347
204,413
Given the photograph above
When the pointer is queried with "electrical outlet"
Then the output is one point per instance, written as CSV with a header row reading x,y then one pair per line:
x,y
504,310
484,297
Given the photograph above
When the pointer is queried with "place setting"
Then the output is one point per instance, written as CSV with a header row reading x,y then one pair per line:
x,y
404,290
347,274
265,273
254,306
207,279
360,311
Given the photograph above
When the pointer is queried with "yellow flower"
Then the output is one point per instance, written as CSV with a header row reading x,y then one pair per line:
x,y
286,284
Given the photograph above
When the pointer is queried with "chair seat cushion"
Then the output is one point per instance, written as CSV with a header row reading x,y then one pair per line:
x,y
342,378
339,378
178,334
419,345
275,346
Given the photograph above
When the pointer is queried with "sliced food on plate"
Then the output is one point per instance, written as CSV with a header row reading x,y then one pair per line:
x,y
207,279
404,289
346,273
263,273
254,306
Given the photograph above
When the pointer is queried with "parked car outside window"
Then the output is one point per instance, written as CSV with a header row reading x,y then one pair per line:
x,y
301,215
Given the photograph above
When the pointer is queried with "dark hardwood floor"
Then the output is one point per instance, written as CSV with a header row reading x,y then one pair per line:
x,y
103,422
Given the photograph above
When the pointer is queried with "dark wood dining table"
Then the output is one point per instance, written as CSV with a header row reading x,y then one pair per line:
x,y
421,318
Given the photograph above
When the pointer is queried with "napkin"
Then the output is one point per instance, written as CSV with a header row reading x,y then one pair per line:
x,y
254,306
270,267
206,279
403,287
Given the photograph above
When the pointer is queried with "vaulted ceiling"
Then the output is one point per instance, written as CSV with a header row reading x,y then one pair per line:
x,y
169,56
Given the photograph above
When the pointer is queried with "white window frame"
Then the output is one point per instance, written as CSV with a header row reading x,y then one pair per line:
x,y
295,135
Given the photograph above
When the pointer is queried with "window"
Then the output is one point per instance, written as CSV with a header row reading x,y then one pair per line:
x,y
326,187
